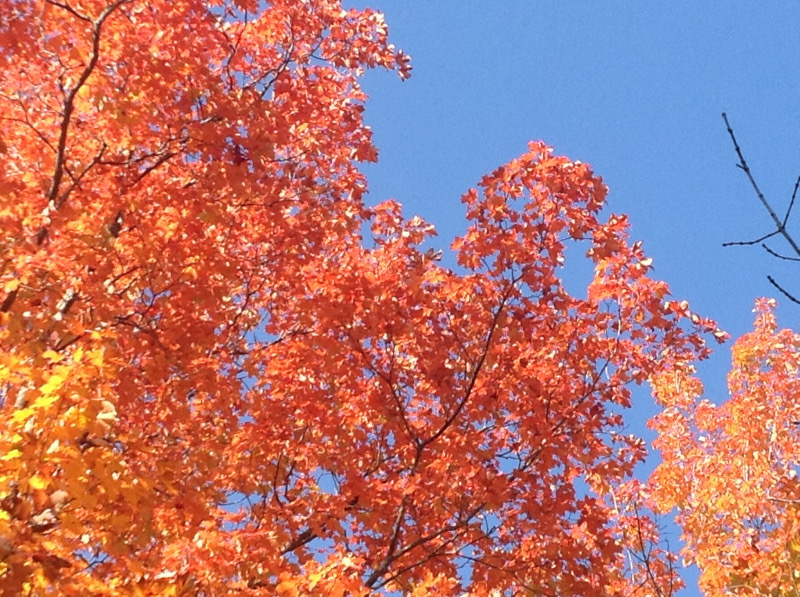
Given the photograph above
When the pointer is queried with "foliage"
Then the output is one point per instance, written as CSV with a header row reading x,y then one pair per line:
x,y
731,470
221,372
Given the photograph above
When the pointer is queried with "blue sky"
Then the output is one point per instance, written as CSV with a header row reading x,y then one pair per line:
x,y
636,90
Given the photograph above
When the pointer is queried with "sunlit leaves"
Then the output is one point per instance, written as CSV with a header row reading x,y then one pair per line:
x,y
221,371
731,469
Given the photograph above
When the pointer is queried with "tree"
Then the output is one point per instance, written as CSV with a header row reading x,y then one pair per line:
x,y
730,471
222,373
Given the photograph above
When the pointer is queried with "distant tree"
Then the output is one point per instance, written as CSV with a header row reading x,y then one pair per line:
x,y
730,471
222,373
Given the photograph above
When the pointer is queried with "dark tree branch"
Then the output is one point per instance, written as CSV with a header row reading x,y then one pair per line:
x,y
53,199
778,255
69,102
791,203
742,243
396,554
780,224
77,180
493,325
783,291
779,227
383,567
303,538
8,301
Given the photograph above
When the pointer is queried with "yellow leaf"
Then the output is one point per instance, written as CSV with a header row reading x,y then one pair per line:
x,y
42,402
52,384
77,355
286,587
18,417
53,356
96,358
37,482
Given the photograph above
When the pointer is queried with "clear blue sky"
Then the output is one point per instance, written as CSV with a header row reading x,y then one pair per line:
x,y
635,89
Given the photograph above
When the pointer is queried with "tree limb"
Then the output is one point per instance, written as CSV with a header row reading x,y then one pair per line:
x,y
780,224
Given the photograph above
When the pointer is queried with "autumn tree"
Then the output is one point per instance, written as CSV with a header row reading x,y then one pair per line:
x,y
730,470
221,372
729,467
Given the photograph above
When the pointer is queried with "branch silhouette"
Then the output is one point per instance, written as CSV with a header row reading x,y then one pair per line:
x,y
780,224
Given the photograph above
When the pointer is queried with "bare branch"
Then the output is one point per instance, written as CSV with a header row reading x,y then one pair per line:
x,y
779,225
8,301
791,203
743,243
391,556
783,291
70,10
383,567
778,255
161,159
77,180
303,538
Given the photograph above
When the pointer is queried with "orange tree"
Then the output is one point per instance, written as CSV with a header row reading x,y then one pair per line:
x,y
221,372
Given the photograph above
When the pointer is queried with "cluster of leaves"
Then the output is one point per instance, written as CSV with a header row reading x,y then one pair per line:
x,y
731,470
221,372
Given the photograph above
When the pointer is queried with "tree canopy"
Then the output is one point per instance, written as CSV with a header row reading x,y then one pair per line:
x,y
222,372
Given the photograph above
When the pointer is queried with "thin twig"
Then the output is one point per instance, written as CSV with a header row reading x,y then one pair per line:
x,y
778,255
746,243
779,225
783,291
791,203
